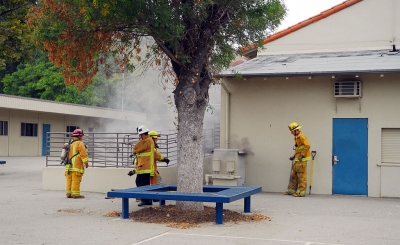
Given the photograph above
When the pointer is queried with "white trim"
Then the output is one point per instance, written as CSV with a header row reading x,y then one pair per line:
x,y
37,105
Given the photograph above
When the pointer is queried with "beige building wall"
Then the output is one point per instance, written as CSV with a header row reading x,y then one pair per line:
x,y
23,145
261,110
366,25
4,116
100,179
16,145
105,179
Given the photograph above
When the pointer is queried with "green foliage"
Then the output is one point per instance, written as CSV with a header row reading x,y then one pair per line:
x,y
193,33
42,80
15,37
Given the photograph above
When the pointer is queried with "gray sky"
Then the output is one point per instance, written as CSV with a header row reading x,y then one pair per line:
x,y
299,10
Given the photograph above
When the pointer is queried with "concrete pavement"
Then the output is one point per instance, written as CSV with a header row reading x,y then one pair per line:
x,y
30,215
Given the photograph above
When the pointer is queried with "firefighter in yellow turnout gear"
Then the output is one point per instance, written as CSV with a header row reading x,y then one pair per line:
x,y
75,170
298,181
144,150
157,157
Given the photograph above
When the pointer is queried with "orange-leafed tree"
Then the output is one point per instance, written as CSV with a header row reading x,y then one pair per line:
x,y
191,40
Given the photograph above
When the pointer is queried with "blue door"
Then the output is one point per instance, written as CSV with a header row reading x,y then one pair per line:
x,y
46,129
350,159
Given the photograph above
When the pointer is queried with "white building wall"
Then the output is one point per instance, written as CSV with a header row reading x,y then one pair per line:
x,y
261,110
367,25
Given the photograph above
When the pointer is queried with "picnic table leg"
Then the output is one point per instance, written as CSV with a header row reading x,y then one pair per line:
x,y
219,209
247,204
162,202
125,208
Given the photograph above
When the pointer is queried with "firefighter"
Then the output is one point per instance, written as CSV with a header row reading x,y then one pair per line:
x,y
157,157
298,181
75,170
144,150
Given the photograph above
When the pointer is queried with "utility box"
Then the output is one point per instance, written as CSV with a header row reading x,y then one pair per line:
x,y
228,168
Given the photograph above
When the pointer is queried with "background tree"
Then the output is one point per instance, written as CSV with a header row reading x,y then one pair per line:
x,y
40,79
193,40
15,37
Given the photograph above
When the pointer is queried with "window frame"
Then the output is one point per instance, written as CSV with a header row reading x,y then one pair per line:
x,y
3,128
24,131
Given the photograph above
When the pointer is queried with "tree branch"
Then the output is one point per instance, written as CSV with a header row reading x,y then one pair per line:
x,y
167,51
13,9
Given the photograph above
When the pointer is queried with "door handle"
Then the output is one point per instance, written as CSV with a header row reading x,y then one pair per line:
x,y
334,160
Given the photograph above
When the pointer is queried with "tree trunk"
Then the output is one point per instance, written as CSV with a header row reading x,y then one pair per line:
x,y
191,102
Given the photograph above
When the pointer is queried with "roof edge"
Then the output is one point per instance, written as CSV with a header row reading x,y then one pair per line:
x,y
304,23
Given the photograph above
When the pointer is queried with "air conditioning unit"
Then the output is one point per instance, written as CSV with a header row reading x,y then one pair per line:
x,y
348,89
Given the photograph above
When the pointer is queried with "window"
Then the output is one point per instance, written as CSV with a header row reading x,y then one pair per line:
x,y
4,128
29,129
391,145
70,129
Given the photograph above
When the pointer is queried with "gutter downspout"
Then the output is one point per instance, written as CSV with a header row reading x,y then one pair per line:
x,y
227,108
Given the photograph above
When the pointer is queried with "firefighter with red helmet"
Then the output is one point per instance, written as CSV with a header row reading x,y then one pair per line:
x,y
78,161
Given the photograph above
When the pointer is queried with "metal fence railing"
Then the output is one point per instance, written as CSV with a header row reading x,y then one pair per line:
x,y
115,149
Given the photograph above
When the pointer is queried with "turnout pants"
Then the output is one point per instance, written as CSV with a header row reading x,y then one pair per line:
x,y
142,180
298,179
73,188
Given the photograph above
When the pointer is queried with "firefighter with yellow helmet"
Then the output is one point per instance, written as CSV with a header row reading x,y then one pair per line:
x,y
298,180
157,157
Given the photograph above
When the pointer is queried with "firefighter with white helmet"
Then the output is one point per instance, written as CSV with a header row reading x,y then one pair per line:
x,y
298,181
144,150
79,159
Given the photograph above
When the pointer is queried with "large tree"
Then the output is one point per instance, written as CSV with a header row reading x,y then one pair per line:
x,y
191,40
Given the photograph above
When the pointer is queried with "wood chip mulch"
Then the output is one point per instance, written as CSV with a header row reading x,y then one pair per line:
x,y
186,219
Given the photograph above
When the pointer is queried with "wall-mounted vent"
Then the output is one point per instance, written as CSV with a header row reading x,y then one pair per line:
x,y
348,89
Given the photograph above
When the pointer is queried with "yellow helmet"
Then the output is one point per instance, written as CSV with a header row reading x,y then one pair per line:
x,y
153,134
294,126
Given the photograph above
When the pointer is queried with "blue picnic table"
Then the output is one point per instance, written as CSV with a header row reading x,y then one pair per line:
x,y
2,162
217,194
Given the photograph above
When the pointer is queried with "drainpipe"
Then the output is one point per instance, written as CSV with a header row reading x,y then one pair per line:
x,y
227,107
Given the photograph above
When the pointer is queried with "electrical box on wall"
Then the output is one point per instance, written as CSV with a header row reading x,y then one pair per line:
x,y
228,168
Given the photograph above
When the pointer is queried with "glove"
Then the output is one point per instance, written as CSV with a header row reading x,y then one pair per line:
x,y
291,158
300,157
166,160
132,172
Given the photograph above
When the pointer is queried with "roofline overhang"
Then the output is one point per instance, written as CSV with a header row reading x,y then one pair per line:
x,y
303,74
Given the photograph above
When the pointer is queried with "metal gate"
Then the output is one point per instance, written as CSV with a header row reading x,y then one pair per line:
x,y
108,149
115,149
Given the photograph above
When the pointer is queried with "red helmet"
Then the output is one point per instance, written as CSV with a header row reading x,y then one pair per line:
x,y
77,132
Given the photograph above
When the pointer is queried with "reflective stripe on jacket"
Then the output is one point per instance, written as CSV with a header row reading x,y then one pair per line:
x,y
78,153
144,150
302,147
157,157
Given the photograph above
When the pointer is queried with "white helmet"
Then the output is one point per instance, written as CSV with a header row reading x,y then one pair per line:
x,y
142,129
